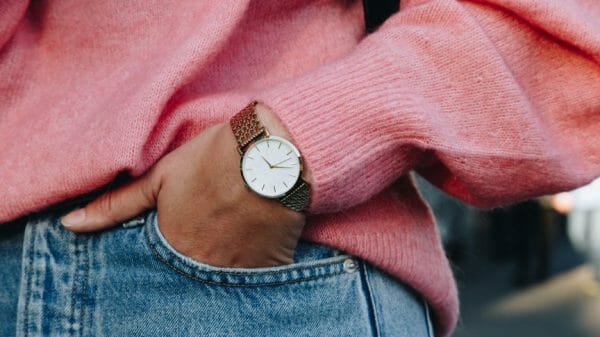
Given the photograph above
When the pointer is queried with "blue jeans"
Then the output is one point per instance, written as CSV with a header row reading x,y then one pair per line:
x,y
128,281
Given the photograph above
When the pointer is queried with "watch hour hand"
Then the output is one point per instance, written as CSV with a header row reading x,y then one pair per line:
x,y
270,166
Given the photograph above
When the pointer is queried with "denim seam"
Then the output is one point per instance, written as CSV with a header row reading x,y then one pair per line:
x,y
150,231
74,288
84,287
159,249
196,278
373,317
428,320
28,275
92,292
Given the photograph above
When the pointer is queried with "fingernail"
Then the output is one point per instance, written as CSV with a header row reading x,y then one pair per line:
x,y
74,218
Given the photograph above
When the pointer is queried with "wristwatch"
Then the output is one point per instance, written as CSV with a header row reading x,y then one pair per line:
x,y
271,166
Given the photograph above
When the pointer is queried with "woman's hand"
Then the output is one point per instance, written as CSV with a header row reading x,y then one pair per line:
x,y
204,209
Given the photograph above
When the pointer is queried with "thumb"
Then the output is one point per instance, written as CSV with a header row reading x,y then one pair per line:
x,y
115,206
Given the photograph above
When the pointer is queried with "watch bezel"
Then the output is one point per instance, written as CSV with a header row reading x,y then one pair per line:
x,y
296,153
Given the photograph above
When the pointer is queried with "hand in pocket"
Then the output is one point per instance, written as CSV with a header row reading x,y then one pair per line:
x,y
204,209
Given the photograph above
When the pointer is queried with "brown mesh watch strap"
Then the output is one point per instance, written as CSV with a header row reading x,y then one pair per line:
x,y
298,197
246,128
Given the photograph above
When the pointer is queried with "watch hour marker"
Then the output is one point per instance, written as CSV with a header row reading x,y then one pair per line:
x,y
267,143
279,146
263,187
249,157
274,190
285,184
291,175
253,180
287,154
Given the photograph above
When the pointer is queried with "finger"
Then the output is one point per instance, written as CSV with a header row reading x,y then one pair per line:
x,y
114,207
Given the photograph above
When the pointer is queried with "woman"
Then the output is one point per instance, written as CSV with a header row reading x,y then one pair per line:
x,y
492,101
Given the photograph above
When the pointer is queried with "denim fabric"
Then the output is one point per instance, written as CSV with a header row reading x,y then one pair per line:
x,y
11,242
128,281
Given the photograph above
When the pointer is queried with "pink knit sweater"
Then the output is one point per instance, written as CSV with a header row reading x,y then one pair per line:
x,y
492,100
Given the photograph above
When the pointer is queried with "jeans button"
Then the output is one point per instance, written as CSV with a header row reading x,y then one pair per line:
x,y
350,265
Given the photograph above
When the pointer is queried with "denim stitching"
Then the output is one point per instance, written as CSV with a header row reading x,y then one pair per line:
x,y
26,271
370,299
70,331
159,246
196,278
428,319
84,285
154,247
92,290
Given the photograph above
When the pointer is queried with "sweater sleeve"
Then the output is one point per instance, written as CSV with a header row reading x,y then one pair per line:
x,y
493,101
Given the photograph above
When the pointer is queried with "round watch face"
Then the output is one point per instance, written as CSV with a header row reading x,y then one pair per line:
x,y
271,166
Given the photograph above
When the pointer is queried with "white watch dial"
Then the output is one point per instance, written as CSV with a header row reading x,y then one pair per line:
x,y
271,166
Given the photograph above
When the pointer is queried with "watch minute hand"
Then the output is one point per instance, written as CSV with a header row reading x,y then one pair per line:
x,y
282,161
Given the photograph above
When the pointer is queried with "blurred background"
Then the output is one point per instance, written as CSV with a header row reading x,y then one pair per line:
x,y
529,269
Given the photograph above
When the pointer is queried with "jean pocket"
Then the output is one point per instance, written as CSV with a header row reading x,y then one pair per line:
x,y
311,261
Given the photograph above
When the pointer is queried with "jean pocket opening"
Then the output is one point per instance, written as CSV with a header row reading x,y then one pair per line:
x,y
311,261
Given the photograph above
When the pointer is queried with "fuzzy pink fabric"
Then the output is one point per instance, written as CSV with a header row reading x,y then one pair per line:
x,y
494,101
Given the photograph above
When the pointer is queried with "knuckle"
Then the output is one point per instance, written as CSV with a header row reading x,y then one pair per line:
x,y
106,203
105,207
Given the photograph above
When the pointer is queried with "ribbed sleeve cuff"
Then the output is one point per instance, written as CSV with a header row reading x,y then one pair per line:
x,y
338,119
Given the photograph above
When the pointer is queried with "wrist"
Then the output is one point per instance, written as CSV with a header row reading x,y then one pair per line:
x,y
239,191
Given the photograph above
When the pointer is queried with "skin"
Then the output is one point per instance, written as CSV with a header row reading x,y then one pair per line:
x,y
204,209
